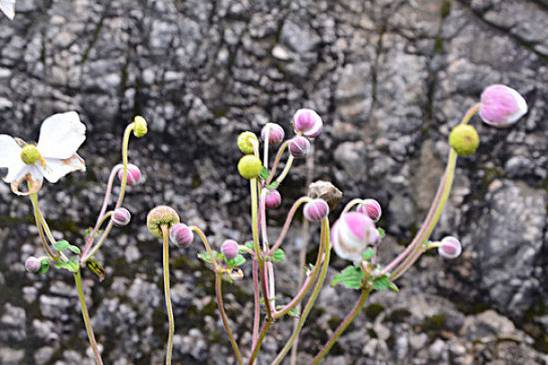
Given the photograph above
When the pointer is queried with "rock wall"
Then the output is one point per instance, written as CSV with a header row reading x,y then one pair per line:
x,y
389,78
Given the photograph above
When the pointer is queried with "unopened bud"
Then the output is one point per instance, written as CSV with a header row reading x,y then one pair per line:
x,y
33,264
140,128
121,217
276,133
161,216
299,147
133,174
181,235
273,199
371,208
307,122
246,142
501,106
230,249
450,248
316,210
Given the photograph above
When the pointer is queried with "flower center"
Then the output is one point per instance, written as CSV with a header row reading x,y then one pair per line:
x,y
30,154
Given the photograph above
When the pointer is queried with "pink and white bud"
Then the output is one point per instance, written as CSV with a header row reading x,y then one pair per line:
x,y
299,147
352,234
501,106
230,249
371,208
33,264
133,174
181,235
307,122
450,248
273,199
276,133
121,217
316,210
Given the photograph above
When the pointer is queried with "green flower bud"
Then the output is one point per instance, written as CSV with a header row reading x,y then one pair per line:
x,y
249,166
464,139
245,142
30,154
140,128
161,216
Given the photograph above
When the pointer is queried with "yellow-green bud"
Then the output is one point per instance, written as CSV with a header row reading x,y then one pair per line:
x,y
249,166
161,216
30,154
140,128
464,139
246,140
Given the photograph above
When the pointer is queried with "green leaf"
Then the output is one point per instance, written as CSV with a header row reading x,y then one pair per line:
x,y
294,312
382,233
273,185
383,283
351,277
61,245
368,254
44,266
70,265
74,249
239,261
249,244
263,174
95,267
278,256
204,256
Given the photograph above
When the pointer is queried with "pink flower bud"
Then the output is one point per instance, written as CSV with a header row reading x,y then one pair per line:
x,y
299,147
273,199
181,235
32,264
133,174
371,208
121,217
501,106
352,234
450,248
316,210
230,249
276,133
307,122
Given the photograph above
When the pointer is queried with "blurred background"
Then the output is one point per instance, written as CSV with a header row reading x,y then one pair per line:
x,y
389,78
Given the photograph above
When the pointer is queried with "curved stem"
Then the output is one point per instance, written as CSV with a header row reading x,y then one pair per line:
x,y
224,317
351,204
277,160
34,199
87,320
285,171
206,244
287,223
470,113
312,299
342,327
262,335
167,294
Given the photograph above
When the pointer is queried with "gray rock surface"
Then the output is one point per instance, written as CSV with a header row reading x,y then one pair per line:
x,y
390,78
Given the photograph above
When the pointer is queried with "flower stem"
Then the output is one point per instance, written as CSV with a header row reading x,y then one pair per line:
x,y
34,199
167,294
342,327
224,317
264,330
87,320
288,221
277,160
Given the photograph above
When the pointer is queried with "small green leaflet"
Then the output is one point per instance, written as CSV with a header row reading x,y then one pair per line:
x,y
278,256
63,245
368,254
95,267
383,282
44,266
273,185
235,262
294,312
249,245
263,174
204,256
351,277
71,265
382,233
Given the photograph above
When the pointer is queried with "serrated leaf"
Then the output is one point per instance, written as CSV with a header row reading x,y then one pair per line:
x,y
263,174
278,256
351,277
70,265
61,245
95,267
368,254
204,256
383,282
382,233
249,244
44,266
239,260
74,249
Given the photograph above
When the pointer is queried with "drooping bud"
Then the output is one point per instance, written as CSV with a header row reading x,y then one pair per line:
x,y
352,234
316,210
273,199
464,139
501,106
250,166
140,128
326,191
33,264
371,208
299,147
450,248
161,216
307,122
181,235
276,133
30,154
121,217
133,174
246,141
230,249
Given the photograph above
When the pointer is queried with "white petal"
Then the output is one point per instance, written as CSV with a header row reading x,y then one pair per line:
x,y
32,177
9,150
61,135
57,168
8,8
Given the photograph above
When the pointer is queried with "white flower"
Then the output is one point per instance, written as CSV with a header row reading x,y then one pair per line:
x,y
8,8
53,157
